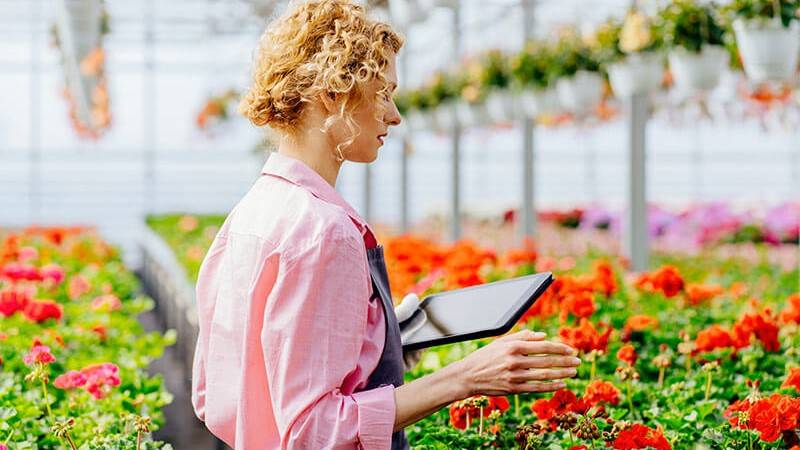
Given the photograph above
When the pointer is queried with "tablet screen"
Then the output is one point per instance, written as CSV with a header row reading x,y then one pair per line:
x,y
473,309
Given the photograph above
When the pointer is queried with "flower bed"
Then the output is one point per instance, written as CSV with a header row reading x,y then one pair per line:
x,y
703,350
72,354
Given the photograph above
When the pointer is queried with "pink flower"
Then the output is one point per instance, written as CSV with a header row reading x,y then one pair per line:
x,y
27,253
39,354
70,380
78,285
52,272
100,378
15,298
3,447
108,302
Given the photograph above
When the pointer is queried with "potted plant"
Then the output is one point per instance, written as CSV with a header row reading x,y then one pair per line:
x,y
580,83
470,105
420,105
533,74
767,36
695,38
496,80
443,93
631,50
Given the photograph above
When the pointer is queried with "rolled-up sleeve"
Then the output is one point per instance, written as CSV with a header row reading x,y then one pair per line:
x,y
314,328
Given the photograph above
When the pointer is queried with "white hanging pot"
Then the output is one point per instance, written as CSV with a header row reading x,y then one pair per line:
x,y
501,106
638,73
445,116
693,72
580,92
769,50
471,114
535,102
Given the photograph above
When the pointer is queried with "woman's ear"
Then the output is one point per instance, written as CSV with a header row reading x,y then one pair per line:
x,y
328,100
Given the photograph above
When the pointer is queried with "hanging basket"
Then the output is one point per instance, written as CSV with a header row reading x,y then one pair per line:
x,y
534,102
501,106
471,114
697,72
639,73
580,92
768,49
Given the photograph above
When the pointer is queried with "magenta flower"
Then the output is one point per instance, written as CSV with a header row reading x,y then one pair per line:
x,y
100,378
39,354
70,380
52,272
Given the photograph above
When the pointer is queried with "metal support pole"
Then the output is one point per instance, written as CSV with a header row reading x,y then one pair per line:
x,y
456,140
528,139
636,245
149,107
405,149
35,133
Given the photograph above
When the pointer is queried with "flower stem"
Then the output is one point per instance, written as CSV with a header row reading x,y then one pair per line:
x,y
467,420
571,438
138,439
46,400
480,423
8,438
594,368
71,442
629,395
749,439
708,385
516,405
661,371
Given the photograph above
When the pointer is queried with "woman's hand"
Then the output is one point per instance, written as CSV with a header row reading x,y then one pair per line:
x,y
517,363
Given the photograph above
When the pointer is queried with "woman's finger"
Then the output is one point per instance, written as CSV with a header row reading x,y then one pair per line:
x,y
543,347
524,375
538,362
524,335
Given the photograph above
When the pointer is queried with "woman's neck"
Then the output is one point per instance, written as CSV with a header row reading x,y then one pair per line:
x,y
314,150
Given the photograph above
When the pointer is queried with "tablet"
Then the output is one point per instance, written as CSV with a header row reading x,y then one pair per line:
x,y
475,312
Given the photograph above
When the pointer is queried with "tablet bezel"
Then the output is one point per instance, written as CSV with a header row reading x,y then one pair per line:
x,y
505,324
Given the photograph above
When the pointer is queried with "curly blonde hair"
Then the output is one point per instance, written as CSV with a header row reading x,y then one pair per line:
x,y
318,47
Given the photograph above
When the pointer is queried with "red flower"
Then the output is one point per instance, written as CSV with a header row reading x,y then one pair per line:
x,y
639,322
792,311
38,354
100,378
601,391
666,280
578,447
701,293
41,310
101,331
604,280
466,412
627,354
585,337
769,416
20,272
793,379
70,380
562,402
15,298
763,325
712,338
580,304
639,436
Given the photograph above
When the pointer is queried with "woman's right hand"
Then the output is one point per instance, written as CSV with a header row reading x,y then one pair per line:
x,y
522,362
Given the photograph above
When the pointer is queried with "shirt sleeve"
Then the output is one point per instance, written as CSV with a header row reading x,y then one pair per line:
x,y
314,327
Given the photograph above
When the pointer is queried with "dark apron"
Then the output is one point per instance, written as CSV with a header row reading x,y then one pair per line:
x,y
390,366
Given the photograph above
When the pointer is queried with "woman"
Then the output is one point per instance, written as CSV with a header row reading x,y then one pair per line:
x,y
299,346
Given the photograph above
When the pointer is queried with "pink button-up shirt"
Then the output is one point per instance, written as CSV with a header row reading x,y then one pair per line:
x,y
288,333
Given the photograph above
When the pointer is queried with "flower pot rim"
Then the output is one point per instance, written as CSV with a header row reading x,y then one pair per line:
x,y
764,23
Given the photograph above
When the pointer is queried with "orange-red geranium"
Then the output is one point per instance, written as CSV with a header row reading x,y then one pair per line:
x,y
579,304
627,354
464,413
639,436
585,337
636,323
791,314
600,391
769,416
604,280
792,379
697,294
761,324
666,280
712,338
562,402
41,310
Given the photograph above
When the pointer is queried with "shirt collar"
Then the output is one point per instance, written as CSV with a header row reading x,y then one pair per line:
x,y
297,172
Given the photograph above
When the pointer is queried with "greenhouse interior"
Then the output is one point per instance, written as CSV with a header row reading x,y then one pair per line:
x,y
604,193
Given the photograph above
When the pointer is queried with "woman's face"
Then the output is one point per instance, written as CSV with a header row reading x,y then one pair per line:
x,y
373,132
